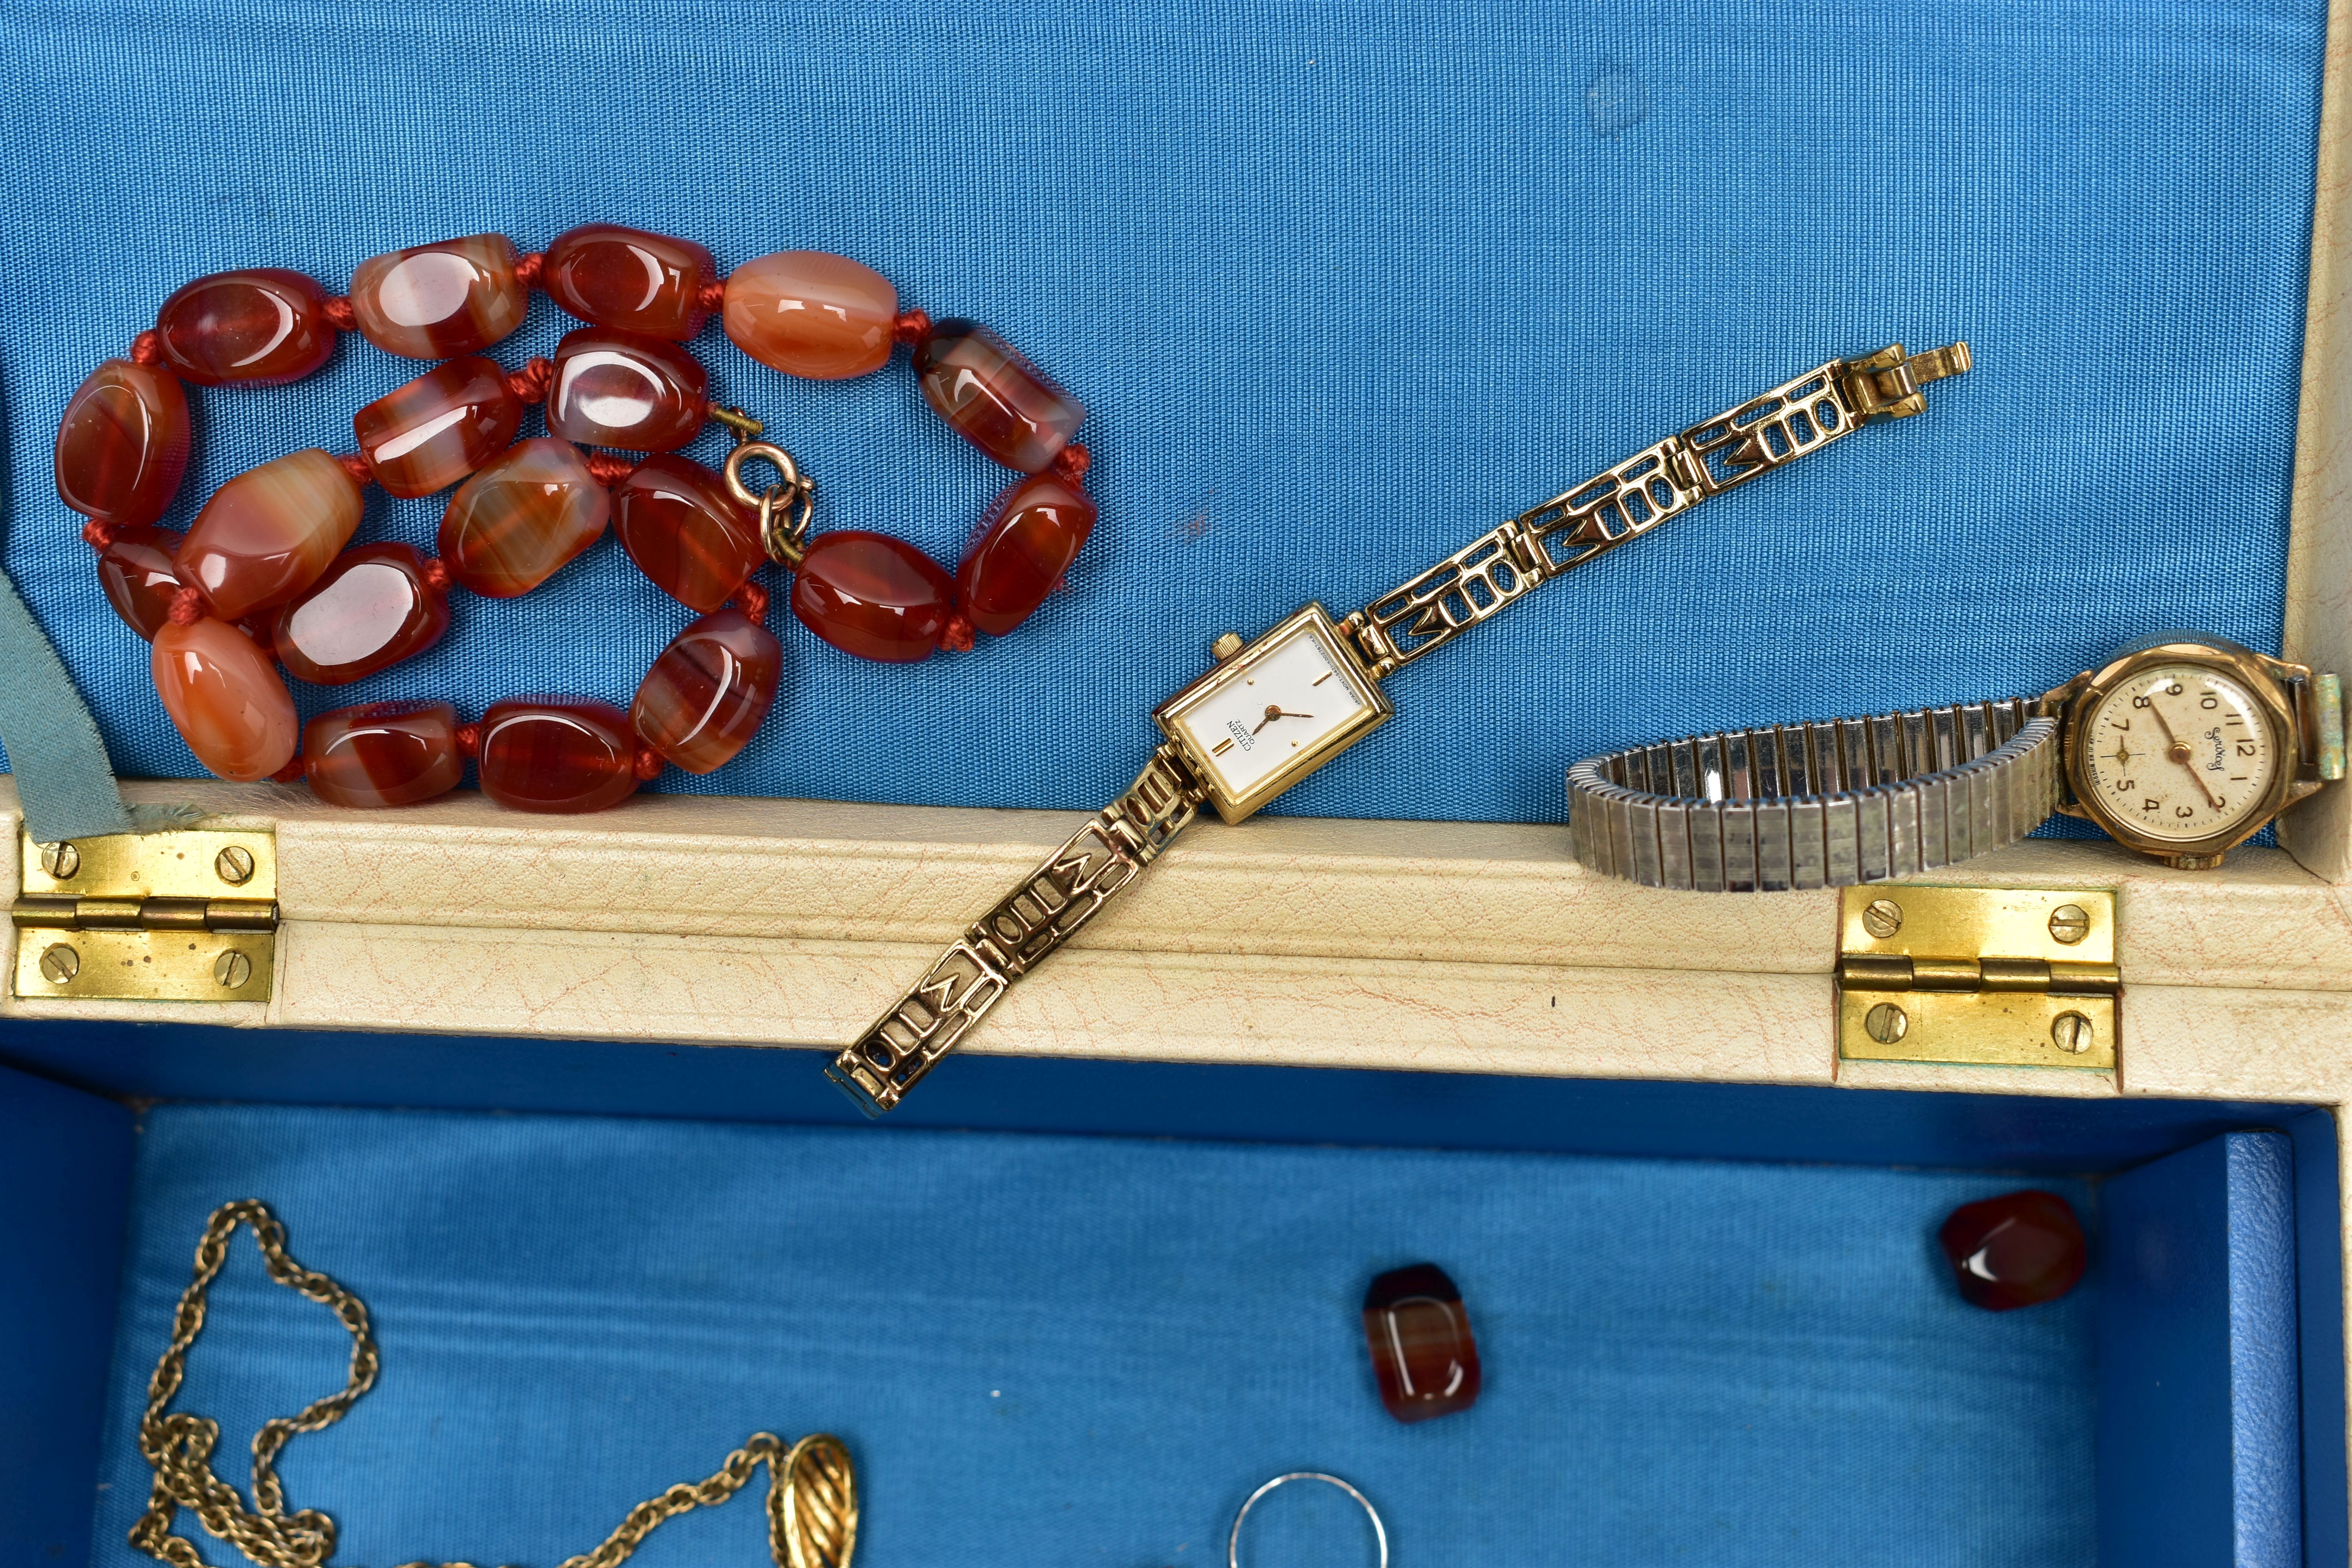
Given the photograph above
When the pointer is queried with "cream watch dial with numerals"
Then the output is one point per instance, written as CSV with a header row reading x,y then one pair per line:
x,y
2181,752
1272,712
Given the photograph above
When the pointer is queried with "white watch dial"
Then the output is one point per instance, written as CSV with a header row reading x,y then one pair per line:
x,y
2180,751
1276,707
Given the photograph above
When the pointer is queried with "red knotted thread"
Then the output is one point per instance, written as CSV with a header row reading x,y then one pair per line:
x,y
295,768
527,269
911,327
435,573
649,764
188,606
610,467
469,739
96,534
147,348
957,637
531,381
752,600
357,467
712,296
1072,462
339,310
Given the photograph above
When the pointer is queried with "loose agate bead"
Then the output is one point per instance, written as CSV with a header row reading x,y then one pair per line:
x,y
993,397
370,609
225,698
123,443
261,326
1424,1356
137,572
557,755
615,388
384,754
2016,1250
438,302
808,313
707,692
873,595
1025,540
433,432
268,533
626,278
510,526
685,532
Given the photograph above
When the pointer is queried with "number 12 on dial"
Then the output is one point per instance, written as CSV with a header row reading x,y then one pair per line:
x,y
1274,712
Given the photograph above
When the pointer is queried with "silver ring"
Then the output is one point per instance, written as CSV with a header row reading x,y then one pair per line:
x,y
1234,1542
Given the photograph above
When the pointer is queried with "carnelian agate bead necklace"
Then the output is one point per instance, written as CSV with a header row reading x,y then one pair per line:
x,y
266,574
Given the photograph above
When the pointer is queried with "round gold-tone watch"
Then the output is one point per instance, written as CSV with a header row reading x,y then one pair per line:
x,y
1275,709
2182,747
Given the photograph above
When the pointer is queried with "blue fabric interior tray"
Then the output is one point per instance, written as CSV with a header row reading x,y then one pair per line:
x,y
1341,284
1685,1361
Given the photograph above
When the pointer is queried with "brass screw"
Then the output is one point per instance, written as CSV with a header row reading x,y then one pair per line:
x,y
1225,646
2069,923
1882,917
232,969
60,860
59,962
2071,1032
234,865
1886,1023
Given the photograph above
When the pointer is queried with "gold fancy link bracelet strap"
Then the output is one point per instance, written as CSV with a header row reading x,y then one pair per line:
x,y
811,1487
1663,481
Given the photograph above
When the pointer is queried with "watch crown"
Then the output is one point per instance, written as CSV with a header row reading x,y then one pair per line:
x,y
1225,646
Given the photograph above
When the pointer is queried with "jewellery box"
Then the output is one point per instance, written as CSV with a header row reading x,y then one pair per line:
x,y
1340,287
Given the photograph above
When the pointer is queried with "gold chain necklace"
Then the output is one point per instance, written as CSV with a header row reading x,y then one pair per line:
x,y
811,1487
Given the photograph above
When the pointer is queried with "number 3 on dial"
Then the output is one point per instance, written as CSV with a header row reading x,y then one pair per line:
x,y
1274,712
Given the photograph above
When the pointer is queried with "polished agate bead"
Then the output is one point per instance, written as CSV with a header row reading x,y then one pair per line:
x,y
123,443
433,432
512,524
1025,540
2016,1250
384,754
1424,1356
679,523
993,397
808,313
370,609
268,533
260,327
622,389
557,753
873,595
225,698
706,695
438,302
137,572
626,278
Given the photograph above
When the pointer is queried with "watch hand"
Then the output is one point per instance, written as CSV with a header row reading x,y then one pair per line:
x,y
2177,750
1273,711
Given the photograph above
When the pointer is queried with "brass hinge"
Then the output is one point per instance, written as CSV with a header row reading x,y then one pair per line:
x,y
2007,976
154,917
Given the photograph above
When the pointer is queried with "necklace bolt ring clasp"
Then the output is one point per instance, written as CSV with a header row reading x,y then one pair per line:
x,y
785,508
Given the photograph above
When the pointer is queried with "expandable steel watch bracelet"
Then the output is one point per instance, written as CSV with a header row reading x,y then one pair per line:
x,y
1821,804
2183,746
1275,710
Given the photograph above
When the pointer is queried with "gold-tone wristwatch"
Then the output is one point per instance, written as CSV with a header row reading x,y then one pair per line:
x,y
2182,747
1275,710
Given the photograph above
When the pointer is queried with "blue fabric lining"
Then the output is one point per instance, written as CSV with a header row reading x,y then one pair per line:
x,y
1685,1362
1341,284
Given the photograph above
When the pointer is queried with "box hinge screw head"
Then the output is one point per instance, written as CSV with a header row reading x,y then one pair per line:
x,y
2071,1032
60,860
2069,923
60,964
1887,1023
232,969
234,865
1882,917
